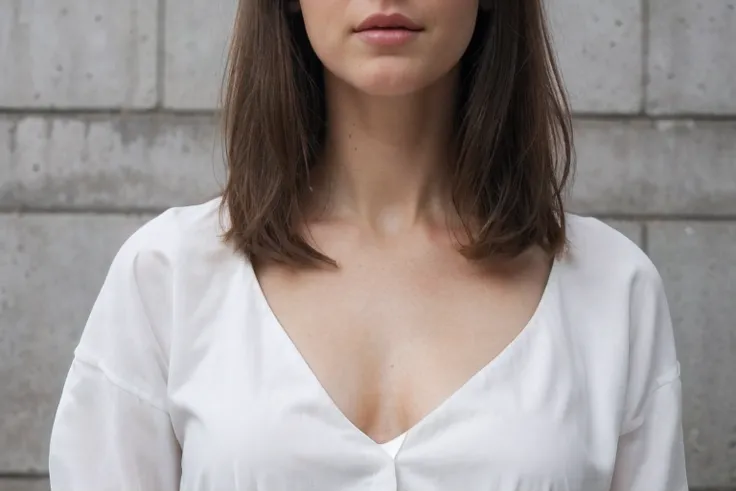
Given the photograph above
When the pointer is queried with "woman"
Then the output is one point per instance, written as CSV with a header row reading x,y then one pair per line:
x,y
388,295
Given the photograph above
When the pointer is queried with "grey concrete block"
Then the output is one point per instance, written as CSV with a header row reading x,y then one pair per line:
x,y
51,269
659,168
599,44
128,162
197,34
27,484
692,66
696,261
7,143
78,53
633,230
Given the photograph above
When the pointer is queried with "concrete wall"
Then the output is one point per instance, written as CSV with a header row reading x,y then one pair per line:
x,y
106,118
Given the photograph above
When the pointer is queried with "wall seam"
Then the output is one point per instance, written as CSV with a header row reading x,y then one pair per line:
x,y
161,55
645,44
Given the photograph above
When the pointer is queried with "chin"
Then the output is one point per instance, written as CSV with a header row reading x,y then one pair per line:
x,y
389,80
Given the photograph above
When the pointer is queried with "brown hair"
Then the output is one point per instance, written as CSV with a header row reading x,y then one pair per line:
x,y
513,134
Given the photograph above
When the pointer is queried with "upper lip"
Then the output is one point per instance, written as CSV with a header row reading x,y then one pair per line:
x,y
388,21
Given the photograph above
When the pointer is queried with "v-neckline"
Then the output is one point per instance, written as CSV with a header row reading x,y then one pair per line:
x,y
395,444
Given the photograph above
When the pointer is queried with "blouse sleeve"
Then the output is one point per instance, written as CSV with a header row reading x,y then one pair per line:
x,y
651,455
112,430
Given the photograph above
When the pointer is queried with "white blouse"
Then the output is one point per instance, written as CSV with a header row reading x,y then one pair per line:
x,y
184,379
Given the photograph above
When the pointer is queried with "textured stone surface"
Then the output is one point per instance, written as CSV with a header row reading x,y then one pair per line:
x,y
51,268
632,230
78,53
640,167
692,65
599,44
197,34
134,162
696,261
30,484
7,143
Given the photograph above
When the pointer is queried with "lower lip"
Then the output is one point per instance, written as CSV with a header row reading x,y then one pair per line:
x,y
387,37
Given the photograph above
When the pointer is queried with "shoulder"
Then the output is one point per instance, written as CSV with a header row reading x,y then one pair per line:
x,y
177,230
158,257
618,297
613,293
600,257
134,306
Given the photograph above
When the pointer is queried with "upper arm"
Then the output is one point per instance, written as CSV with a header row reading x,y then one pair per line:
x,y
107,437
650,454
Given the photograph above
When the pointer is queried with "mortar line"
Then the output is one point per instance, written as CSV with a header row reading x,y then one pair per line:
x,y
644,237
24,476
96,211
108,112
626,117
161,55
645,46
663,217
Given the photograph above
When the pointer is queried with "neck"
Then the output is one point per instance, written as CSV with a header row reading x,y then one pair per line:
x,y
386,157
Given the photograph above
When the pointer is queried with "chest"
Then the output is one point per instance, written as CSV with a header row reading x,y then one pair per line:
x,y
267,398
248,409
391,338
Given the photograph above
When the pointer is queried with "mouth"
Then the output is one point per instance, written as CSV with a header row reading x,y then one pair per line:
x,y
386,22
384,31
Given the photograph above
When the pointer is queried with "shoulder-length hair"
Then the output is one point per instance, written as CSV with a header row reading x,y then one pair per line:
x,y
513,134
